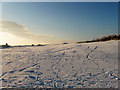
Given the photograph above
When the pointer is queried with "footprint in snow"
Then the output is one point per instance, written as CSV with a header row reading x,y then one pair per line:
x,y
64,53
74,51
8,62
32,77
30,71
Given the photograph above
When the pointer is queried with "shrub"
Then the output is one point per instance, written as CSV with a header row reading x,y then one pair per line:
x,y
40,45
6,45
32,45
65,43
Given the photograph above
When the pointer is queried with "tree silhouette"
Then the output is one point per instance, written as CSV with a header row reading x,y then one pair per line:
x,y
6,44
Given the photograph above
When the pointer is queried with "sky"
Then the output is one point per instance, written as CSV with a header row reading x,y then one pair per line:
x,y
57,22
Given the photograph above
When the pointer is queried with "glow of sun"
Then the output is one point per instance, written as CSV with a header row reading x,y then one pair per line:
x,y
10,39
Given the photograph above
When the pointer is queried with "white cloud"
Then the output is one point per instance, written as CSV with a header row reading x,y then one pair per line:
x,y
22,33
19,30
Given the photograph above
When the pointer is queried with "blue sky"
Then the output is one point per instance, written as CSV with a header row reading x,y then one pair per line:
x,y
62,21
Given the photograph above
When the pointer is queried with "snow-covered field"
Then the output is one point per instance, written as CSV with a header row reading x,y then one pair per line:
x,y
86,65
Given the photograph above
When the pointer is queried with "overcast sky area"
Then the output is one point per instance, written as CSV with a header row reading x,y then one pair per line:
x,y
57,22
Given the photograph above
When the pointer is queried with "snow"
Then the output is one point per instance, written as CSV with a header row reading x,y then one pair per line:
x,y
85,65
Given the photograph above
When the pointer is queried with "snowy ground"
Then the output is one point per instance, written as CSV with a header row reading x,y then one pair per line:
x,y
86,65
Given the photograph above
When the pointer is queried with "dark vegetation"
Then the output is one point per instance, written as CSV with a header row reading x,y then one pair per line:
x,y
40,45
65,43
32,45
5,46
105,38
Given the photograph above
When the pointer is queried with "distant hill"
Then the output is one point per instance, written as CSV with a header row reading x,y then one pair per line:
x,y
105,38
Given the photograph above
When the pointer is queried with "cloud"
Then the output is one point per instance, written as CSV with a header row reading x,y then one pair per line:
x,y
20,30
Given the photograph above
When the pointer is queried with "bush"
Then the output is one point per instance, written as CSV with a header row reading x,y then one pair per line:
x,y
40,45
32,45
65,43
6,45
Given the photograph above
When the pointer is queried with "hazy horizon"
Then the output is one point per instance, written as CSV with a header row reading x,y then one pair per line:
x,y
57,22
